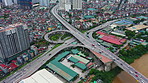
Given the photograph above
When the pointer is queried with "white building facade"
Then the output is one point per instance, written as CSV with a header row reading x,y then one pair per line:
x,y
77,4
44,3
13,39
65,5
132,1
7,2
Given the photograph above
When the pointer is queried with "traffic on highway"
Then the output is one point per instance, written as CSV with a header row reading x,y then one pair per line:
x,y
89,43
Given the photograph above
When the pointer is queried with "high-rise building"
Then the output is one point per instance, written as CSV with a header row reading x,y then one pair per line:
x,y
132,1
25,4
7,2
13,39
65,5
61,4
117,0
44,3
14,1
35,1
53,1
77,4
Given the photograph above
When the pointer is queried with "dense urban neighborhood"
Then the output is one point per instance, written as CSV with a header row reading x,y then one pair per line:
x,y
72,41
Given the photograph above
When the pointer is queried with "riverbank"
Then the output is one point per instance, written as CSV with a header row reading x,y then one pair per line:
x,y
140,65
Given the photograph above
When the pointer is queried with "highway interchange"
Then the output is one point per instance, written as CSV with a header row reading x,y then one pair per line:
x,y
87,42
98,48
33,66
50,33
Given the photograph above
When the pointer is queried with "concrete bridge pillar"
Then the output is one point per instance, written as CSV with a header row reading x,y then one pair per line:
x,y
108,67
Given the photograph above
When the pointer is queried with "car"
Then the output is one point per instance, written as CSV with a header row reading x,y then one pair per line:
x,y
93,45
136,72
98,43
131,71
136,75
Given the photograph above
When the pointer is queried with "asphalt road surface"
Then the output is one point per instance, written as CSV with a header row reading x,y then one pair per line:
x,y
98,48
87,42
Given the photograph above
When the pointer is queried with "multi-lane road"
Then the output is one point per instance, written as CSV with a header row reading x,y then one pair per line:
x,y
98,48
33,66
87,42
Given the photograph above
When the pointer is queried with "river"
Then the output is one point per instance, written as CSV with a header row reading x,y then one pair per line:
x,y
140,65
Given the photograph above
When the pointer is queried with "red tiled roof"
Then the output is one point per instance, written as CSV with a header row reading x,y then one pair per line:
x,y
111,38
12,66
81,62
103,58
14,61
90,64
101,33
4,66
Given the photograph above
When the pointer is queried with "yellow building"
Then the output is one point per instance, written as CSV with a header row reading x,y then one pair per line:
x,y
137,27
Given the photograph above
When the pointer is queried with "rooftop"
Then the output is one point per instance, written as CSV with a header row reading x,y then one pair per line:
x,y
41,76
80,65
81,54
91,9
125,22
62,55
89,16
10,27
142,17
102,58
75,51
72,59
111,38
62,70
81,59
137,27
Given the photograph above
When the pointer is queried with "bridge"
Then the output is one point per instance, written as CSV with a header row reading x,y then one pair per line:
x,y
91,44
99,48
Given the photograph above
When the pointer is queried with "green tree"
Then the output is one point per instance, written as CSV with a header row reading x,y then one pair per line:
x,y
129,34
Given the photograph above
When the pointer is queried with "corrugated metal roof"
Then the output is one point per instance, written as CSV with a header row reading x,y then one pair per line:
x,y
62,70
72,59
102,58
62,55
91,9
89,16
81,59
80,65
111,38
75,51
81,54
42,76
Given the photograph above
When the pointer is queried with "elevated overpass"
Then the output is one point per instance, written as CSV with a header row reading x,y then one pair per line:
x,y
88,43
99,48
46,37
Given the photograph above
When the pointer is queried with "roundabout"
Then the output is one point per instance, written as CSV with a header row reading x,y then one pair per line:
x,y
55,38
